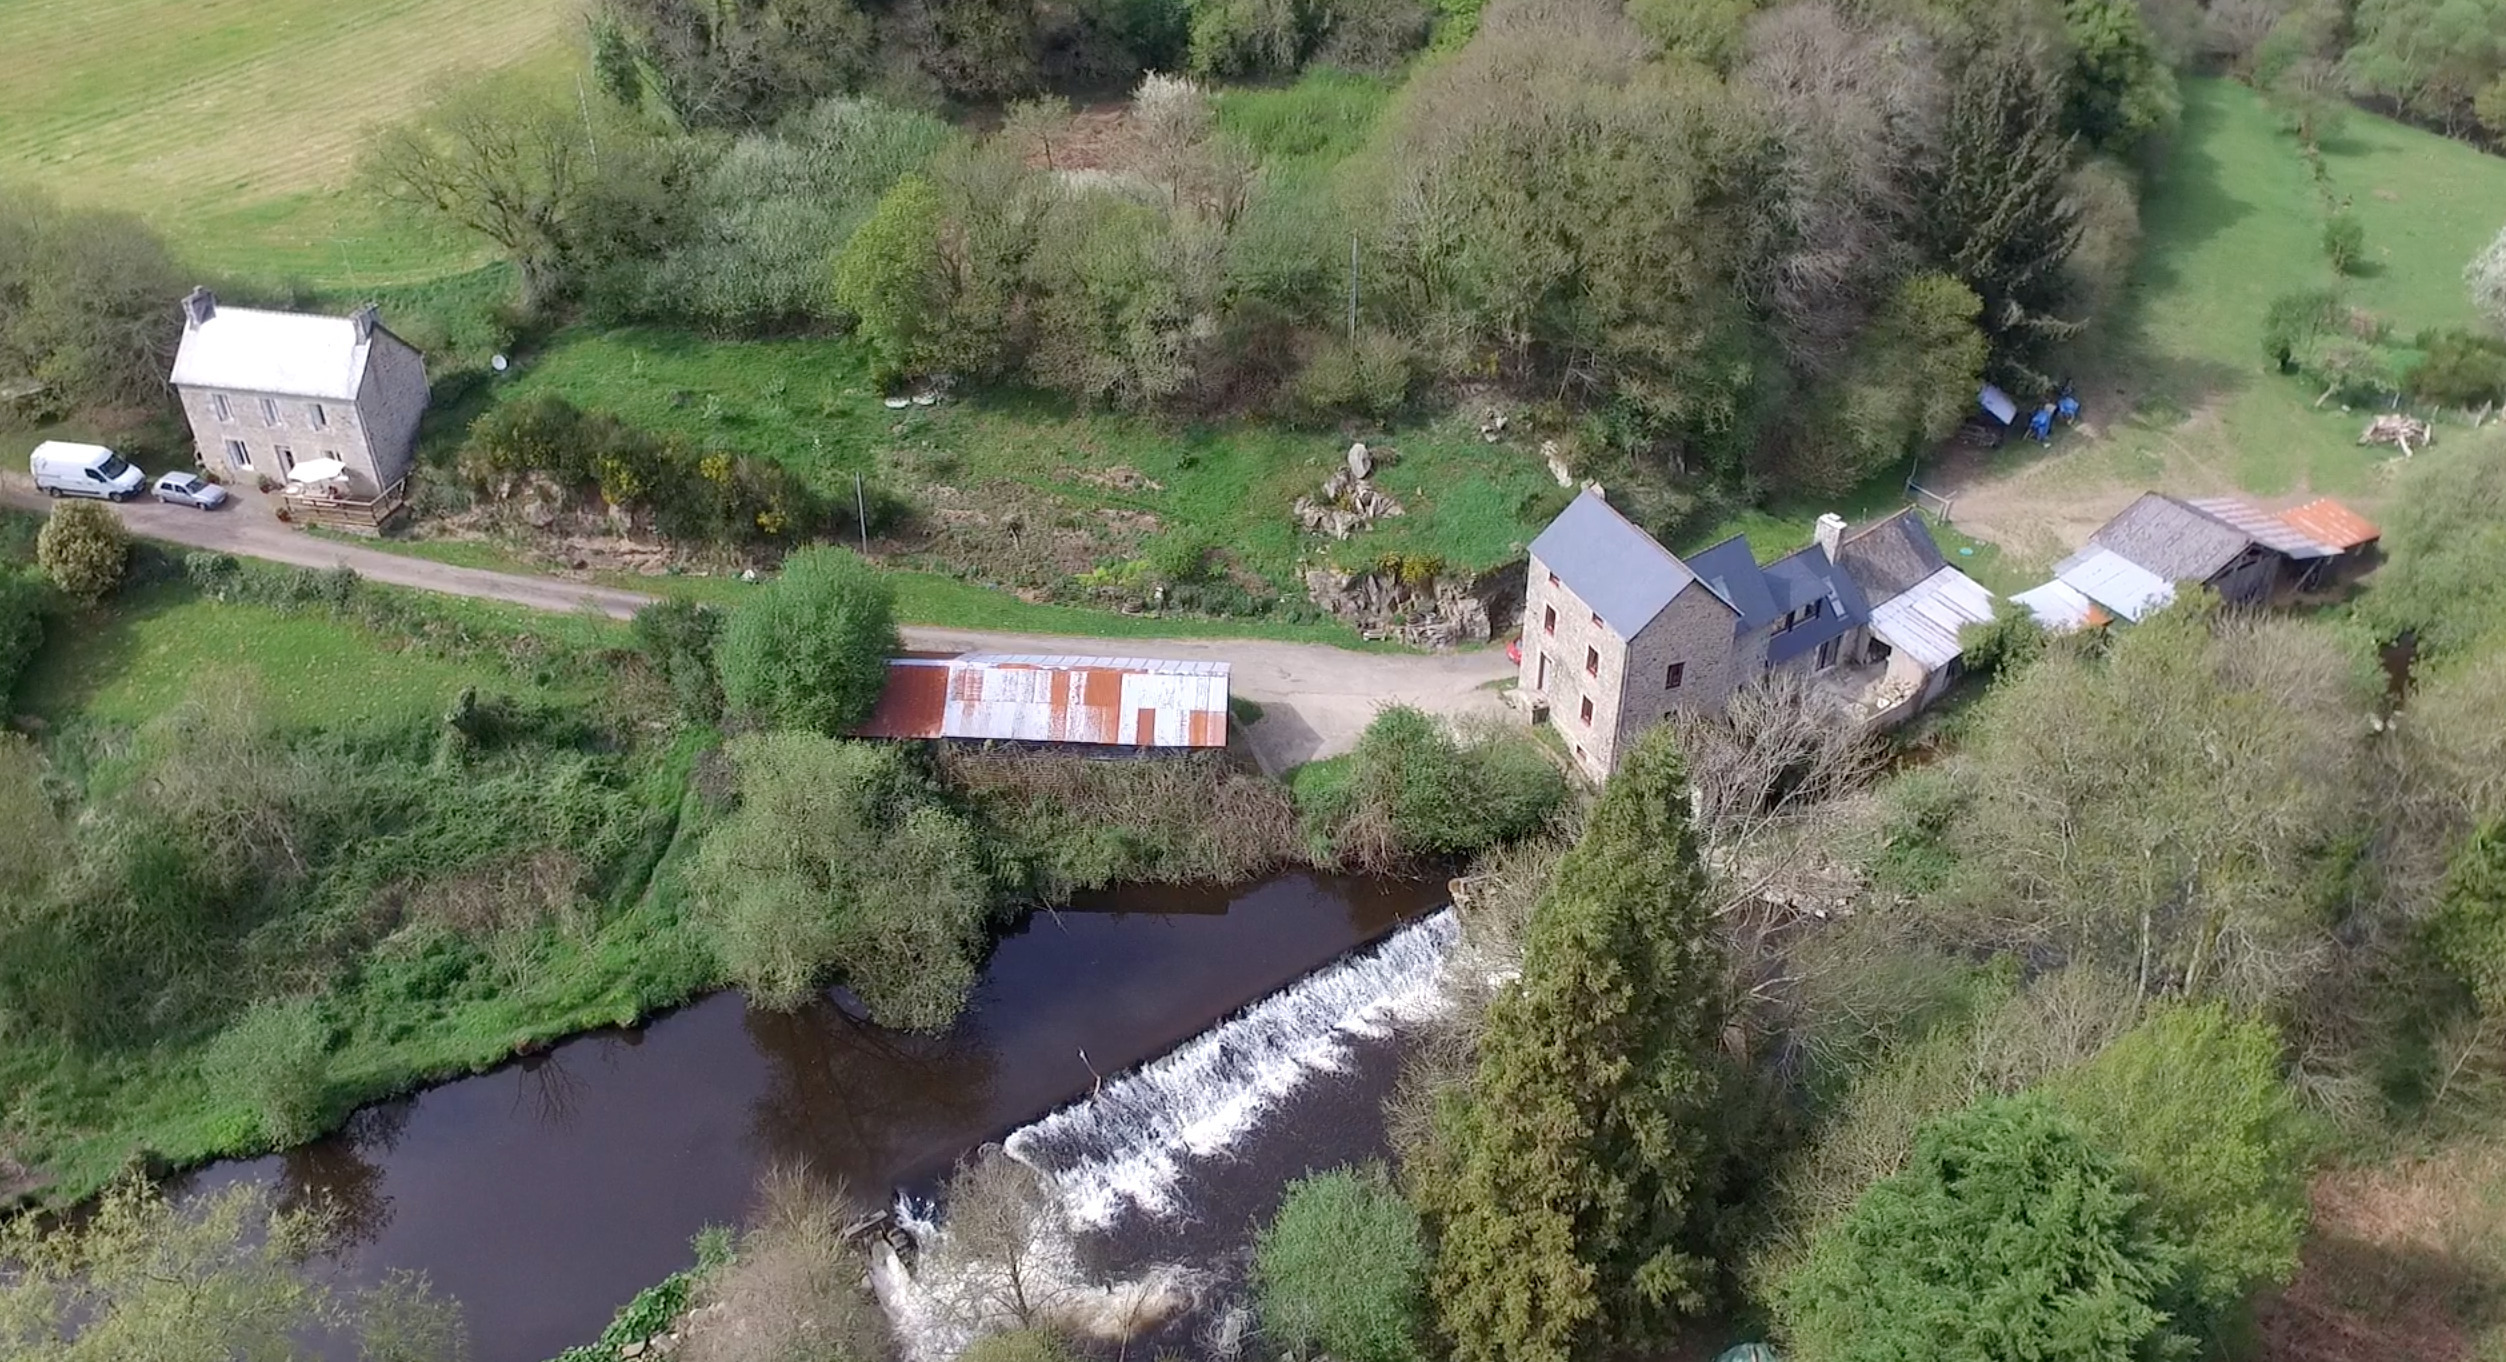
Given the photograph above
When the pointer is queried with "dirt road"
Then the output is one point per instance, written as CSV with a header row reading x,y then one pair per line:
x,y
1315,698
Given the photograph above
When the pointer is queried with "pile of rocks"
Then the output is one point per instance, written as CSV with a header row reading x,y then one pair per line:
x,y
1351,501
1440,614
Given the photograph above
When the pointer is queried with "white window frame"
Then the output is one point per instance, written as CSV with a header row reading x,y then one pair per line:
x,y
269,412
286,459
217,404
239,454
321,418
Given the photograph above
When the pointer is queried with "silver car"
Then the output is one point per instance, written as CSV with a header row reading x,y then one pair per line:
x,y
190,489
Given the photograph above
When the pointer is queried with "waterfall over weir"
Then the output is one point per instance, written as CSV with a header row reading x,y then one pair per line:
x,y
1126,1148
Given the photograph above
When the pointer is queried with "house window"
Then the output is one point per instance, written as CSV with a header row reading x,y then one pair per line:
x,y
1549,620
217,403
286,459
1543,683
1814,609
269,411
237,455
1592,662
1553,579
321,418
1596,619
1827,653
1587,711
1677,673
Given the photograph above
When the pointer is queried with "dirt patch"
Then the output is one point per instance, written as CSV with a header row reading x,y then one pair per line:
x,y
1122,477
1014,534
2040,503
2404,1260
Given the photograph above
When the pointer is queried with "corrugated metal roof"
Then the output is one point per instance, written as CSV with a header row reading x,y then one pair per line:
x,y
2329,522
1113,701
300,354
2269,530
1923,620
2058,605
1611,565
2115,582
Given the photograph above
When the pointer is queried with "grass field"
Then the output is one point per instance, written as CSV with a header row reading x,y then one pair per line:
x,y
232,125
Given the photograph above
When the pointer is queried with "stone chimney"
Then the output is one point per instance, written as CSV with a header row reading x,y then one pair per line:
x,y
1830,534
363,319
199,306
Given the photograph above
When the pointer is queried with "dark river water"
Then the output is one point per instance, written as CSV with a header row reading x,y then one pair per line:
x,y
544,1194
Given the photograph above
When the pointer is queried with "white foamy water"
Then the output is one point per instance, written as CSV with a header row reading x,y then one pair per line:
x,y
1124,1147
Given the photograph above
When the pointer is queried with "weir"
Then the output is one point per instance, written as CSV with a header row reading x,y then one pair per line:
x,y
1125,1149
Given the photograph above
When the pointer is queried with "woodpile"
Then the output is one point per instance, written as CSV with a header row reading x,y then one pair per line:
x,y
2407,432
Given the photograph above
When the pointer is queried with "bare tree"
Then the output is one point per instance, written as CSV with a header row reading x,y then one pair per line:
x,y
1007,1244
499,160
793,1288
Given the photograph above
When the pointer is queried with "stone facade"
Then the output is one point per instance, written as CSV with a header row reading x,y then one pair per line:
x,y
244,434
1571,658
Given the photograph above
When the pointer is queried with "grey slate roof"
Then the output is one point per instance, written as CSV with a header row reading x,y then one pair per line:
x,y
1890,556
1612,566
1800,577
2176,542
1730,570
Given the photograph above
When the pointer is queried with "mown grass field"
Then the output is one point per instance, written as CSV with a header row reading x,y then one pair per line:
x,y
2232,220
233,125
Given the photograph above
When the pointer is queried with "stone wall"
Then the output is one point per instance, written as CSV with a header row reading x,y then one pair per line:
x,y
1446,611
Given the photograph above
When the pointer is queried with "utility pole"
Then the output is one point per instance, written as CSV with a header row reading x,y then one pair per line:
x,y
1352,291
584,102
861,510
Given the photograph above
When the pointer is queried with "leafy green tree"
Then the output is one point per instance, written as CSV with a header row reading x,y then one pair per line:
x,y
678,637
21,625
84,549
729,63
2467,930
85,305
843,861
888,276
1569,1187
2192,1106
1995,209
1415,789
223,1275
2433,57
810,650
2444,544
1912,378
2122,91
2007,1235
1341,1270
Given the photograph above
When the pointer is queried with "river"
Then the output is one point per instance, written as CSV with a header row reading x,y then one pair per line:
x,y
545,1193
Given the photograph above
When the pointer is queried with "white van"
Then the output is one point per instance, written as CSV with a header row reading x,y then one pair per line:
x,y
63,469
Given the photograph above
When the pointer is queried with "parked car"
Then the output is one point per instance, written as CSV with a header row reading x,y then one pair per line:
x,y
190,489
63,469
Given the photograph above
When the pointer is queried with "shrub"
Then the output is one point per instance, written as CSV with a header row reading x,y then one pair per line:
x,y
21,626
1414,789
2192,1106
2007,1235
678,637
2345,243
811,650
84,549
2485,276
275,1060
2011,641
842,860
2458,368
1341,1271
889,275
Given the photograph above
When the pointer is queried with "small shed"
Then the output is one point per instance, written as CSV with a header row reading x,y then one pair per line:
x,y
1133,702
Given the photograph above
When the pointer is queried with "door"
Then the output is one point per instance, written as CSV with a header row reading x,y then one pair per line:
x,y
1827,653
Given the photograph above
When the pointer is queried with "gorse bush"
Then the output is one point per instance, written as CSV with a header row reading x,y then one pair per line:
x,y
843,863
810,649
694,497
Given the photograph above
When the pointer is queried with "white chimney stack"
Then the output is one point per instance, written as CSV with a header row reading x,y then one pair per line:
x,y
199,306
1830,534
363,319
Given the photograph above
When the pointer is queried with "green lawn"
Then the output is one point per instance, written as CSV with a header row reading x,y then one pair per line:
x,y
160,644
232,125
810,405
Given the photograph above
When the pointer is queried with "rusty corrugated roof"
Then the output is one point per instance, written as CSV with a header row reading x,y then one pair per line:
x,y
2327,521
1126,702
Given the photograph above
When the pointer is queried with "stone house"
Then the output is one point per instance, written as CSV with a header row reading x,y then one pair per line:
x,y
1619,632
266,391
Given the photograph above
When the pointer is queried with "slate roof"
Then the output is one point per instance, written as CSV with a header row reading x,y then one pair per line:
x,y
295,354
2171,540
1890,555
1611,565
1730,570
1803,576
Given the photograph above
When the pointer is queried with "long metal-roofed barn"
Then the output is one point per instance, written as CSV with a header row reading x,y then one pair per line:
x,y
1133,702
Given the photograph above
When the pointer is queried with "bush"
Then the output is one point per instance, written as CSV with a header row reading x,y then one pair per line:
x,y
841,859
1414,790
678,638
811,650
21,626
2485,276
2458,368
2011,641
2345,243
84,550
1341,1271
1018,1345
2007,1235
275,1060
